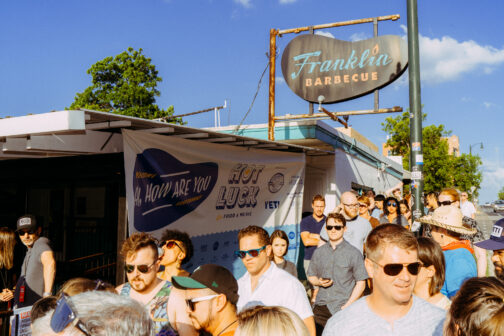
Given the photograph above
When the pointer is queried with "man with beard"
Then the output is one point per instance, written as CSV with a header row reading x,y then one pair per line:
x,y
496,244
140,253
211,294
391,309
357,228
39,267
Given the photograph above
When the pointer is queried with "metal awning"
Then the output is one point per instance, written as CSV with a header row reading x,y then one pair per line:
x,y
81,132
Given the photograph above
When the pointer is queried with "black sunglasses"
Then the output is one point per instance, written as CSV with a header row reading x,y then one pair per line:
x,y
337,227
395,269
170,244
65,314
141,268
23,232
253,253
392,204
446,203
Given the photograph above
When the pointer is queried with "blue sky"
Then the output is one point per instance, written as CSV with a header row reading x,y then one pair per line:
x,y
210,50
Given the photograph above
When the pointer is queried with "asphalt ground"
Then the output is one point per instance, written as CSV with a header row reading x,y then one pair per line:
x,y
486,219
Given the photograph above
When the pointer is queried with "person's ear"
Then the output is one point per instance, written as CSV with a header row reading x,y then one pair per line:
x,y
430,271
221,302
369,267
268,250
39,230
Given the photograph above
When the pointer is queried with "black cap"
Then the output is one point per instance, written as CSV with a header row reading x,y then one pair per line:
x,y
26,222
215,277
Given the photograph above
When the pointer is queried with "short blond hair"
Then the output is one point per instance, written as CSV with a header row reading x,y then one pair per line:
x,y
270,321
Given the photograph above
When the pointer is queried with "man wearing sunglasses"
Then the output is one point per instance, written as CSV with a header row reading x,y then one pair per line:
x,y
140,253
39,267
391,309
264,283
211,294
338,269
357,227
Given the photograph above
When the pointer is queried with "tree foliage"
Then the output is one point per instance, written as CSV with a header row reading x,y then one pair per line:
x,y
501,194
124,84
440,170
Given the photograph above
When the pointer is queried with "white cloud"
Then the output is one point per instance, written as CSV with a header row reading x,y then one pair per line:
x,y
445,59
279,79
244,3
359,36
465,99
493,179
324,33
488,105
286,1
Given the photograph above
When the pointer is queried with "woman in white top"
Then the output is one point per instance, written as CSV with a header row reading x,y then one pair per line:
x,y
431,277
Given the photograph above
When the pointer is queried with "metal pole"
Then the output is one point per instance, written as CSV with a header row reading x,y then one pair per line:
x,y
416,154
272,55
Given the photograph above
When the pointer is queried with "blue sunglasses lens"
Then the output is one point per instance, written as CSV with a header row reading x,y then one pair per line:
x,y
62,315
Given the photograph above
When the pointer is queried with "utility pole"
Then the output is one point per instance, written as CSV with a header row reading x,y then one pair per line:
x,y
416,153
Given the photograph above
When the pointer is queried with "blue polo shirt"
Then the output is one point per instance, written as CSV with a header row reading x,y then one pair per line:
x,y
311,225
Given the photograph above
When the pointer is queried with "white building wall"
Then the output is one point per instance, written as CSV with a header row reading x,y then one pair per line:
x,y
332,175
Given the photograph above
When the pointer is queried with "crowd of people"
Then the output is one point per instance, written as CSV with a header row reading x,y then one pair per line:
x,y
368,273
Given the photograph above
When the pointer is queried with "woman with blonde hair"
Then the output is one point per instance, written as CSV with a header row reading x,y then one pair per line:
x,y
7,275
270,321
477,309
364,204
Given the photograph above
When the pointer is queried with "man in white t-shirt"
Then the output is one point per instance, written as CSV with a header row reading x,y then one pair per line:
x,y
466,207
264,283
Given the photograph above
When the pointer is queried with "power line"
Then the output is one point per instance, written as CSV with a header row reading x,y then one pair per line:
x,y
253,100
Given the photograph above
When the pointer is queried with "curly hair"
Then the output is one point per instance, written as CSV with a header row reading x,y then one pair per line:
x,y
184,239
251,230
138,241
477,309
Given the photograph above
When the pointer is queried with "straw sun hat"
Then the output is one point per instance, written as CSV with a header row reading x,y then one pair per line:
x,y
449,218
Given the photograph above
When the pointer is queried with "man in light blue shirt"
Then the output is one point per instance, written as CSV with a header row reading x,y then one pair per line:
x,y
392,263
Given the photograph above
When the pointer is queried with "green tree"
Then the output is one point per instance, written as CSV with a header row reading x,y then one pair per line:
x,y
501,194
124,84
440,169
466,173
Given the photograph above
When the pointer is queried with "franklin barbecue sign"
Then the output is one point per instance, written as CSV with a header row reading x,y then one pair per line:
x,y
315,65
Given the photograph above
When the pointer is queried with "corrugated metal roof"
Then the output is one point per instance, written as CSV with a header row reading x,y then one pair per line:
x,y
80,132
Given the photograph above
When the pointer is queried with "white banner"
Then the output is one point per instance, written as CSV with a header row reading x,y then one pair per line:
x,y
211,191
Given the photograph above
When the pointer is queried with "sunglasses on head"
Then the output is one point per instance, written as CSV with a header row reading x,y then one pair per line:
x,y
253,253
337,227
170,244
141,268
191,302
395,269
65,314
392,204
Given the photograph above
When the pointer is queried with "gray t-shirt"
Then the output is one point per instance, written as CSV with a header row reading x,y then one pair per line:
x,y
398,220
32,267
356,232
423,319
288,267
344,265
